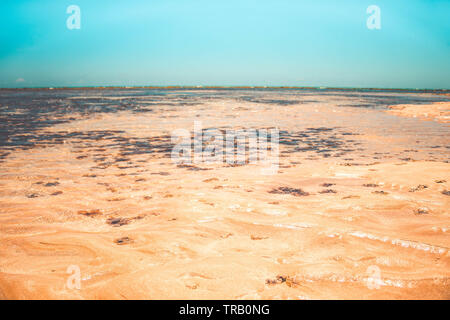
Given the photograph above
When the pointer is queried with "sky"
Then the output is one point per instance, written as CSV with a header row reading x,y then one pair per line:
x,y
225,43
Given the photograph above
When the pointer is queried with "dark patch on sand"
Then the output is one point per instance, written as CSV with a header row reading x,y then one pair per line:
x,y
287,190
90,213
123,240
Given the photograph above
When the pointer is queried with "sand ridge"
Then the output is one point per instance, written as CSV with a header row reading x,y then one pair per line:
x,y
438,111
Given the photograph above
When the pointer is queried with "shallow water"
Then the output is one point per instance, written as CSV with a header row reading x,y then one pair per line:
x,y
25,114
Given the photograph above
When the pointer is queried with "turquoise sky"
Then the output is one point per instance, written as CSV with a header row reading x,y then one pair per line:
x,y
196,42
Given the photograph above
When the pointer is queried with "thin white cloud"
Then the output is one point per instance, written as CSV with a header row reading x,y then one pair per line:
x,y
20,80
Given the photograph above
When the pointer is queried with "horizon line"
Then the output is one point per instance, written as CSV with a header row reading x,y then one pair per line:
x,y
168,87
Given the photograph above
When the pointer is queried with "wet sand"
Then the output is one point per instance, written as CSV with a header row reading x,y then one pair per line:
x,y
359,208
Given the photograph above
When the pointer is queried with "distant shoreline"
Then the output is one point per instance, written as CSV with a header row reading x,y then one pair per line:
x,y
438,91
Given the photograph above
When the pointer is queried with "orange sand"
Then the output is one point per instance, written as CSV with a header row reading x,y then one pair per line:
x,y
220,233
